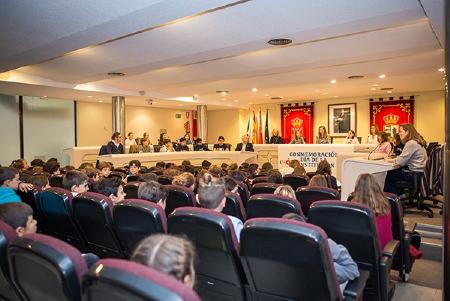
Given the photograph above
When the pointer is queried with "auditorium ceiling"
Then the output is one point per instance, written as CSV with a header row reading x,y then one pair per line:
x,y
181,53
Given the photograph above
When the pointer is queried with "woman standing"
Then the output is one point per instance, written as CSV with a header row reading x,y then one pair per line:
x,y
322,137
351,138
372,138
298,139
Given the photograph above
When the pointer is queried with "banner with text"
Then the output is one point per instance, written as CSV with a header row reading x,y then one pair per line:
x,y
388,115
297,118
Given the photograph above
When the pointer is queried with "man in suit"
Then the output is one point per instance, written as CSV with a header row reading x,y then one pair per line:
x,y
245,145
182,146
115,145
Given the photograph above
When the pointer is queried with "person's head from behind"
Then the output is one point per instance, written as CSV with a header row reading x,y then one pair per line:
x,y
20,164
318,181
9,177
253,169
169,254
294,163
104,169
154,192
285,190
184,179
368,192
40,181
116,137
75,181
299,170
52,167
266,167
19,216
275,177
215,170
185,162
211,192
112,188
230,184
85,165
161,164
322,132
135,167
37,162
351,134
323,168
237,175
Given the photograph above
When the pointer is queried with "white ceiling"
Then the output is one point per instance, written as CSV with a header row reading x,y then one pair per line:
x,y
172,50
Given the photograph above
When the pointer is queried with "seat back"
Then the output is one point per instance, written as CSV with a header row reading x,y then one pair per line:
x,y
178,196
46,268
93,214
271,205
353,226
264,188
56,181
117,280
131,190
136,219
31,198
132,179
295,181
7,289
309,194
243,193
56,207
165,180
219,271
234,206
260,179
297,250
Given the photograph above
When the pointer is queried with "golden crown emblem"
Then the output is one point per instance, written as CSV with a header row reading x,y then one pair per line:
x,y
391,119
296,122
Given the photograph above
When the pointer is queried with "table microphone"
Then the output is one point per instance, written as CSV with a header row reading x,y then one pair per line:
x,y
368,157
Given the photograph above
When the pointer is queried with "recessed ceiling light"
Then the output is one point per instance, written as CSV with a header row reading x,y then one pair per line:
x,y
316,90
267,95
100,101
355,76
45,96
325,93
333,81
382,76
389,92
372,89
180,105
89,96
196,95
335,96
375,85
254,90
441,69
236,100
116,74
280,42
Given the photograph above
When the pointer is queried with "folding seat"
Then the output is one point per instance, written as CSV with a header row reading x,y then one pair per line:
x,y
264,188
179,196
46,268
291,260
31,198
234,206
131,190
353,226
260,179
7,289
56,181
56,207
93,213
165,180
243,193
270,205
118,280
136,219
295,181
219,271
308,195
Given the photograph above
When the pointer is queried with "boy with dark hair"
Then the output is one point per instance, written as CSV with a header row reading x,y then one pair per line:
x,y
52,168
76,182
161,164
182,146
135,167
230,184
40,181
9,182
104,169
154,192
112,188
20,217
37,162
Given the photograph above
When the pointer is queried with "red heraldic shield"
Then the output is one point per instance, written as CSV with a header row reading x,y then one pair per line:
x,y
389,115
299,118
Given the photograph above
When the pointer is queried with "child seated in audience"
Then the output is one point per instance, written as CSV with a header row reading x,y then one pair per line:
x,y
345,267
324,168
112,188
368,192
76,182
52,167
318,181
40,181
275,177
154,192
20,217
134,167
285,190
215,170
185,179
211,195
104,169
230,184
9,182
168,254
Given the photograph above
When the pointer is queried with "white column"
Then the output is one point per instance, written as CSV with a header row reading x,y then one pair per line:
x,y
118,114
202,123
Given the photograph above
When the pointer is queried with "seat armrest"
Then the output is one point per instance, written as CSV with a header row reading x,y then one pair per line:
x,y
90,259
390,248
410,227
354,288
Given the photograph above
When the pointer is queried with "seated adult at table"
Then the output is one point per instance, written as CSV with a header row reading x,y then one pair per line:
x,y
163,137
182,145
221,145
187,136
245,145
145,146
351,138
374,135
167,147
276,138
322,137
130,139
115,145
199,145
384,146
413,157
298,139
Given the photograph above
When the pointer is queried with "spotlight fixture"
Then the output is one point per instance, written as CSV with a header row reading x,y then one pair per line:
x,y
279,42
335,96
375,85
254,90
116,74
316,90
372,89
355,76
267,95
382,76
389,92
333,81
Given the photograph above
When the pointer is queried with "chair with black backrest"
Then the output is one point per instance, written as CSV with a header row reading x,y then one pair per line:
x,y
165,180
219,271
415,192
56,207
132,179
295,181
310,194
93,213
271,205
131,190
353,226
179,196
31,198
297,250
264,188
234,206
7,289
117,280
56,181
46,268
244,193
136,219
260,179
